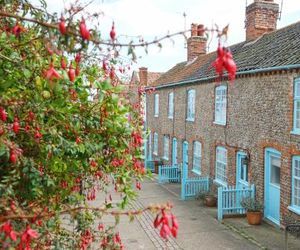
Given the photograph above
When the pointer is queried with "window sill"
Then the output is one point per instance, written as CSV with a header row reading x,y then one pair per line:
x,y
220,123
155,154
170,117
165,158
219,182
196,171
294,132
190,120
294,209
155,115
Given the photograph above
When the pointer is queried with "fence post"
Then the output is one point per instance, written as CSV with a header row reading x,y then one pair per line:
x,y
183,182
220,203
159,174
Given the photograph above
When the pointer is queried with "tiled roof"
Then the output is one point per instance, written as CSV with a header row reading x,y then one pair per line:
x,y
278,48
152,77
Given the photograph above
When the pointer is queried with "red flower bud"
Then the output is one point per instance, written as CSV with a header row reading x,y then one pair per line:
x,y
13,157
71,73
16,125
77,70
78,58
104,65
62,26
85,34
174,232
3,114
112,32
112,73
63,63
52,73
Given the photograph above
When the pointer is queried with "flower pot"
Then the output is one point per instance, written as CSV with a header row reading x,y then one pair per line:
x,y
254,218
210,201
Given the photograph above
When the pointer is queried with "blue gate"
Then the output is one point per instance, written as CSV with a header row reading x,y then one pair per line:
x,y
169,173
229,200
192,186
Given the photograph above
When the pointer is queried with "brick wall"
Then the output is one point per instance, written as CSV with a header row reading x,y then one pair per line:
x,y
259,115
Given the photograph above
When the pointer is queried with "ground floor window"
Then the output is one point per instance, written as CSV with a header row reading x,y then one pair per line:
x,y
221,165
295,199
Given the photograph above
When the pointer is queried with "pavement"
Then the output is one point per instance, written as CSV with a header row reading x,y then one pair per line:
x,y
198,226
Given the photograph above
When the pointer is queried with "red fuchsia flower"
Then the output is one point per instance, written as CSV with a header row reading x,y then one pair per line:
x,y
78,140
104,65
8,230
113,32
137,139
93,164
52,73
64,184
223,62
3,114
99,174
101,227
27,127
71,73
63,64
165,230
16,125
78,58
27,237
62,26
85,34
37,135
112,73
17,29
138,185
78,180
31,116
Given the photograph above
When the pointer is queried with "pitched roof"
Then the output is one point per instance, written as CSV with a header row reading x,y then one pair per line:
x,y
152,77
278,48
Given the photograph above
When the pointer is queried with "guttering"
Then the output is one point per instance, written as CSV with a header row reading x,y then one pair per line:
x,y
253,71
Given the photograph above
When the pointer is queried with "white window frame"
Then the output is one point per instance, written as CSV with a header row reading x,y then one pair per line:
x,y
155,143
296,115
220,105
191,99
156,105
221,166
295,193
171,105
197,157
166,147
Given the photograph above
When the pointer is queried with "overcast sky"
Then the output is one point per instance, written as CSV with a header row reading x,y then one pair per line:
x,y
155,18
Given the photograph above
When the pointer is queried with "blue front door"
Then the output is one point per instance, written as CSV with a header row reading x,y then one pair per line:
x,y
174,151
241,170
185,154
272,185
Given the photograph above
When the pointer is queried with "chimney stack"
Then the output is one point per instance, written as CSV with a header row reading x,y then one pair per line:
x,y
196,44
261,17
143,75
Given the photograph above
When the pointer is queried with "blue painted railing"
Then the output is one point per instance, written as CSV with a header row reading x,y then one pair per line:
x,y
150,165
192,186
229,200
169,173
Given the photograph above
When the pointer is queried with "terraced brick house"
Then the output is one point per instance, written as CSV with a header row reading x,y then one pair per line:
x,y
240,134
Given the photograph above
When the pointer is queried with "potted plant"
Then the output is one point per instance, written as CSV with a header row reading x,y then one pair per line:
x,y
254,210
209,197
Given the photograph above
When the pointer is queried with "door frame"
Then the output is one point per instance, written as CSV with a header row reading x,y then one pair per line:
x,y
268,152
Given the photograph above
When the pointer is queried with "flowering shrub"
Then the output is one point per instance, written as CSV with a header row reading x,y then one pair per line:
x,y
67,133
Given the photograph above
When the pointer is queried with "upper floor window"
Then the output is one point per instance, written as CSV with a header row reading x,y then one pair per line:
x,y
156,105
197,157
296,125
191,95
166,147
220,105
155,143
295,201
171,105
221,165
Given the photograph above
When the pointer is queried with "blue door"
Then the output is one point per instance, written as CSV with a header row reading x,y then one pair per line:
x,y
185,154
272,185
241,170
174,151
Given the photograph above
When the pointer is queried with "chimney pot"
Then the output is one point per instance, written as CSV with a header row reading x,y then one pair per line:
x,y
196,44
